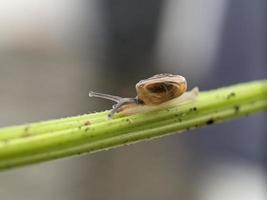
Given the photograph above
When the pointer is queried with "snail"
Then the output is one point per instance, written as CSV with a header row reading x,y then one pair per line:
x,y
152,92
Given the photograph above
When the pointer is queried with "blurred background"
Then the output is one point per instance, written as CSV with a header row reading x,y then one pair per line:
x,y
53,52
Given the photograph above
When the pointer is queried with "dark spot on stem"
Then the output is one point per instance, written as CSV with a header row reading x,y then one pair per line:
x,y
193,109
87,123
26,129
210,121
231,95
237,108
128,121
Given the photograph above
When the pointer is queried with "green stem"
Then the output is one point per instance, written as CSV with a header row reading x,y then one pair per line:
x,y
42,141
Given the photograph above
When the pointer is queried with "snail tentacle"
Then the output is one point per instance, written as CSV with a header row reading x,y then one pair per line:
x,y
119,100
105,96
122,102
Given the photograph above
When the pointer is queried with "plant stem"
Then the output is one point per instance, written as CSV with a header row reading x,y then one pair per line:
x,y
42,141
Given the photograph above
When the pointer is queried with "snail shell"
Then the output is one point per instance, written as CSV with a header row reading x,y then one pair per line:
x,y
160,88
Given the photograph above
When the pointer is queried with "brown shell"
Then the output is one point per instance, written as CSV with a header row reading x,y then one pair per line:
x,y
160,88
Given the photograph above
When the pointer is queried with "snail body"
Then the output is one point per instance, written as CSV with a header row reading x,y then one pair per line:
x,y
151,92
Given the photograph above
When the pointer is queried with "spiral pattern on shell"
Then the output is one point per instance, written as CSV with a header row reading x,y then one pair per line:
x,y
160,88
